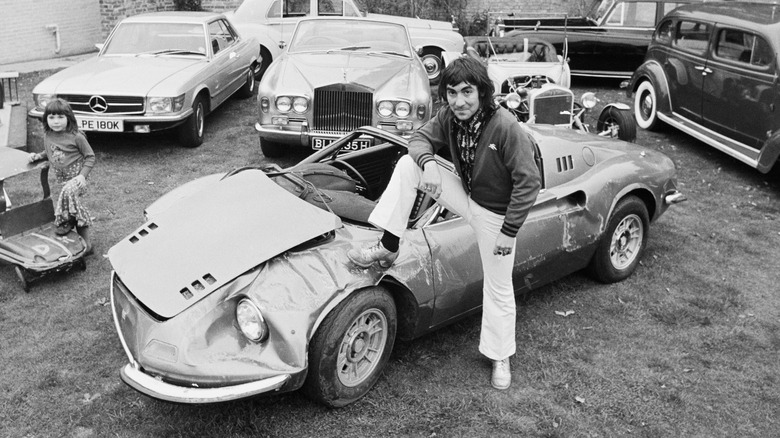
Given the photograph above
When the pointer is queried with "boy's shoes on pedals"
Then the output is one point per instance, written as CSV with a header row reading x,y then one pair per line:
x,y
370,254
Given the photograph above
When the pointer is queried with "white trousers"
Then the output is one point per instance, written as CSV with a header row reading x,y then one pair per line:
x,y
497,337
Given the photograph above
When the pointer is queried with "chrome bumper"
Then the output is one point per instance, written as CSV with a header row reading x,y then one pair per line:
x,y
158,389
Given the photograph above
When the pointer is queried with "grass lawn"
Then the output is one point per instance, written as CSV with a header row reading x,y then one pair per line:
x,y
686,347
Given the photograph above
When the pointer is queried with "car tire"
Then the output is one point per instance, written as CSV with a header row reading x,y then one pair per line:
x,y
272,149
263,63
22,276
433,63
351,348
646,106
623,242
191,131
619,118
248,89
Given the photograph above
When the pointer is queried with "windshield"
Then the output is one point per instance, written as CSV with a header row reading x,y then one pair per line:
x,y
157,39
350,35
598,9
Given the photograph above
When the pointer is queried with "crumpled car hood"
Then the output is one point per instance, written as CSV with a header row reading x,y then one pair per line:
x,y
100,75
320,69
204,241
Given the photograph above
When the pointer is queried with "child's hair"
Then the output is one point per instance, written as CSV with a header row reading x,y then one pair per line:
x,y
60,107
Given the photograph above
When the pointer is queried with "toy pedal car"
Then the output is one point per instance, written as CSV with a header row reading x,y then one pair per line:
x,y
27,232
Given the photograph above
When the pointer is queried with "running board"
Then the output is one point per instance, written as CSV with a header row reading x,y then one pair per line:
x,y
711,138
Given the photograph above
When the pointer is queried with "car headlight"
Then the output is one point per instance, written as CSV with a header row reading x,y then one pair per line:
x,y
300,104
402,109
283,104
41,100
251,321
513,100
165,104
588,100
385,108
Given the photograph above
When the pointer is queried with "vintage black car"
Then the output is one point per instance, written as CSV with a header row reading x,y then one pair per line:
x,y
711,71
610,40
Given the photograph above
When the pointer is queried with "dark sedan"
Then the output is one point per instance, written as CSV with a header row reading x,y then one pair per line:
x,y
610,40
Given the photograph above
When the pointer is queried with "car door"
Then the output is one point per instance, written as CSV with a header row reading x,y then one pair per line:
x,y
624,35
739,95
685,67
226,71
283,15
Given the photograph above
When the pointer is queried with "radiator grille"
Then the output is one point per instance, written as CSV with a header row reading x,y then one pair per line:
x,y
339,111
553,107
114,104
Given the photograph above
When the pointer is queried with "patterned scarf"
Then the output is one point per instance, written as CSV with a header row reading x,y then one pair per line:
x,y
467,134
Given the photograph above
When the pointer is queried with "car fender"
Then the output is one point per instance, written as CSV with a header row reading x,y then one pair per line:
x,y
654,72
266,36
444,40
770,153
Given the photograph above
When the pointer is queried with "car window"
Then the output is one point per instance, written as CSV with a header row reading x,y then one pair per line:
x,y
292,8
219,36
633,14
154,38
692,36
664,32
330,7
739,46
668,7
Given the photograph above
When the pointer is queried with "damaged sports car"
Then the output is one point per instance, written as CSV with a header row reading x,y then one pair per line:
x,y
266,301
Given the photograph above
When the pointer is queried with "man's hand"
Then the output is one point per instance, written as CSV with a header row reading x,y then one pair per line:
x,y
431,180
504,245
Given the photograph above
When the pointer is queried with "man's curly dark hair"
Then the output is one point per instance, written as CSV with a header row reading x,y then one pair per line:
x,y
468,70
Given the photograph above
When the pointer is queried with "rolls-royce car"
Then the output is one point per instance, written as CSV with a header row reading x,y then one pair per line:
x,y
337,75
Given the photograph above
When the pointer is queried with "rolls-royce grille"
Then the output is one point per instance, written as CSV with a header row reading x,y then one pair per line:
x,y
96,104
337,111
554,108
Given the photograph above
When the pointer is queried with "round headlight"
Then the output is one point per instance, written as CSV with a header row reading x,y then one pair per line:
x,y
403,109
283,103
385,108
513,100
300,104
588,100
251,321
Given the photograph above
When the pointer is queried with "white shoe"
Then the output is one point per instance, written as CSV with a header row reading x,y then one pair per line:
x,y
369,254
502,376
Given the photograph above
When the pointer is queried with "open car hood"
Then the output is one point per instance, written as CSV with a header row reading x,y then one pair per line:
x,y
205,240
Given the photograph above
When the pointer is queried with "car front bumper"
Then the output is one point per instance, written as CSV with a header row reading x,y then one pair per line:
x,y
154,123
299,134
158,389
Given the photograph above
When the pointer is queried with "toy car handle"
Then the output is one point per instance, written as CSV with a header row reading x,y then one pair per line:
x,y
45,181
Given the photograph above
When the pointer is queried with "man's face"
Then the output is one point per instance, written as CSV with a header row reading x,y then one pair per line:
x,y
463,100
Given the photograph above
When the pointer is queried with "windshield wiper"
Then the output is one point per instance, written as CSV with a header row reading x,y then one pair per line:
x,y
355,48
171,52
388,52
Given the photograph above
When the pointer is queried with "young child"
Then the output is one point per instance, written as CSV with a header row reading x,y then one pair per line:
x,y
72,158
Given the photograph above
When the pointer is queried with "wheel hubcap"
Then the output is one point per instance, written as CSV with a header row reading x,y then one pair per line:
x,y
647,106
626,242
431,64
362,347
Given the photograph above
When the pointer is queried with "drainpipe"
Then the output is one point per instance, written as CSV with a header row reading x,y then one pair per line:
x,y
55,29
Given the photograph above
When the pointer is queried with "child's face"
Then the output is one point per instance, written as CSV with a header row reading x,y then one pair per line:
x,y
57,122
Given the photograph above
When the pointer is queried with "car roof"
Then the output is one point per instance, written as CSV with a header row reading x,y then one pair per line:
x,y
732,13
173,17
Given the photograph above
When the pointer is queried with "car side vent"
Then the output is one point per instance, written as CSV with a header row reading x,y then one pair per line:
x,y
565,163
143,232
198,285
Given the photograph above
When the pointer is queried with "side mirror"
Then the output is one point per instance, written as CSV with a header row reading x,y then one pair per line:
x,y
282,44
99,46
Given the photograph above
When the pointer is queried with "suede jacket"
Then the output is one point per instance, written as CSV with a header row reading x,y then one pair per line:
x,y
505,177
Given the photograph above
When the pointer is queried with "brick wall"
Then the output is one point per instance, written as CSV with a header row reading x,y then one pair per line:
x,y
24,36
113,11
